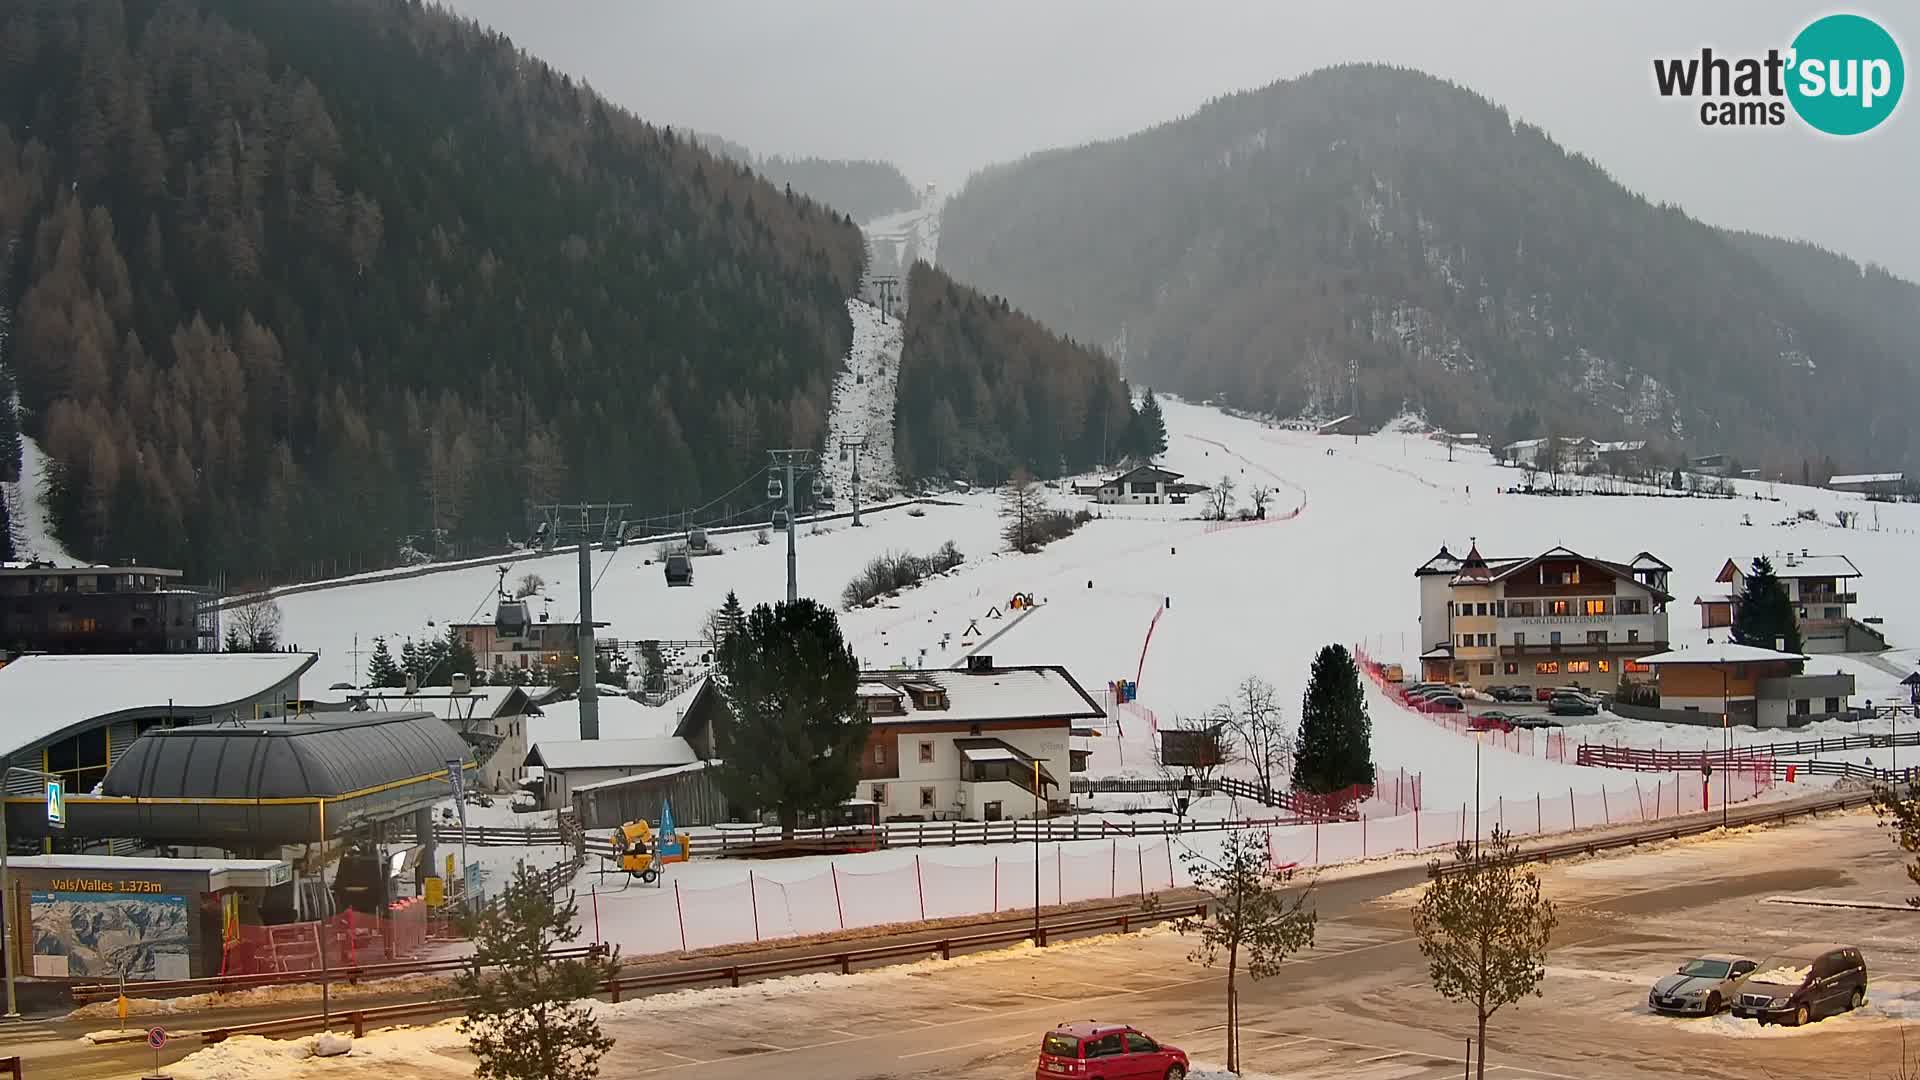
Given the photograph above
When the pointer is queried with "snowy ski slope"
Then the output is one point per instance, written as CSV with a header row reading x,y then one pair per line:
x,y
1248,599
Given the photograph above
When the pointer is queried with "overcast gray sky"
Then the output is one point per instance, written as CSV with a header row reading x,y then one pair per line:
x,y
944,89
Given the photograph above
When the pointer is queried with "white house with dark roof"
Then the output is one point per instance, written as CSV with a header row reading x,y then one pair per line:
x,y
1823,590
1554,619
1143,484
954,744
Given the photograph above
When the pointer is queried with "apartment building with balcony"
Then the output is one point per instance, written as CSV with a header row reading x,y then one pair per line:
x,y
102,609
1555,619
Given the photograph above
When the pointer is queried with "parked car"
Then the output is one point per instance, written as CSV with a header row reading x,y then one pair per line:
x,y
1535,721
1511,693
1487,721
1572,705
1804,984
1095,1051
1703,985
1444,703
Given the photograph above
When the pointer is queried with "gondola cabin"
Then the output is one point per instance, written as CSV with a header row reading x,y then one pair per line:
x,y
679,570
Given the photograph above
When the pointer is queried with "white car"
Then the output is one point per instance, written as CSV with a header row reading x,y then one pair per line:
x,y
1703,986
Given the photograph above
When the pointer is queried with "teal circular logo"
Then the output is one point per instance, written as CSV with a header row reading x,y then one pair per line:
x,y
1846,74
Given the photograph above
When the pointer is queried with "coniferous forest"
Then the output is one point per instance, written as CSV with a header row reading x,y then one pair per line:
x,y
292,280
984,389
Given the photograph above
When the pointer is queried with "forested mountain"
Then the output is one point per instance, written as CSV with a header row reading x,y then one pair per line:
x,y
1367,216
290,276
863,189
984,389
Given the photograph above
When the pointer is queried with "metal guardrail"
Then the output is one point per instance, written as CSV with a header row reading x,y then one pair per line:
x,y
1692,826
86,993
730,974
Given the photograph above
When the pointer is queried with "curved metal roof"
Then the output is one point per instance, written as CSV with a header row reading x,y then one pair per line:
x,y
291,760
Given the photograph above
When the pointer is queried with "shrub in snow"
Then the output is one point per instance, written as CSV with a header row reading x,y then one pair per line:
x,y
897,570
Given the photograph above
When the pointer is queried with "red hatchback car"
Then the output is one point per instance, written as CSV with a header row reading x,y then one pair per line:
x,y
1107,1052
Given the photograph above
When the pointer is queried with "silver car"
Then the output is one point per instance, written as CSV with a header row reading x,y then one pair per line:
x,y
1702,987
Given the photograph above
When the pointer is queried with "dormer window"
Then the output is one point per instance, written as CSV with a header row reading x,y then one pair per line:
x,y
926,695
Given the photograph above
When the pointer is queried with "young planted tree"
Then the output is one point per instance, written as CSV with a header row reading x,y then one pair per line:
x,y
1484,927
381,670
1254,721
795,733
1252,922
1022,505
1220,499
1336,734
528,1019
1765,617
1898,808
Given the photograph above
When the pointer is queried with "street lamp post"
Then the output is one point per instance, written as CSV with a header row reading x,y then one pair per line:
x,y
6,886
1036,853
1476,792
1727,746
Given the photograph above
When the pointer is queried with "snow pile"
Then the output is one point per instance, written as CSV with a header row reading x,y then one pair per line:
x,y
1888,1004
1207,1070
429,1051
256,997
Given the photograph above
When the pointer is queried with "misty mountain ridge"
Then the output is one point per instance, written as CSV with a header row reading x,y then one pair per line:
x,y
864,189
1378,222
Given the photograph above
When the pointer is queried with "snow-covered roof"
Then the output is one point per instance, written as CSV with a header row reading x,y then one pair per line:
x,y
1016,693
610,753
1789,565
1867,478
47,695
1725,652
478,703
651,774
1626,446
1647,560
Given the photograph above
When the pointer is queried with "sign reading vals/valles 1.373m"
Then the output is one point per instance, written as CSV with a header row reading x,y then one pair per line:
x,y
100,885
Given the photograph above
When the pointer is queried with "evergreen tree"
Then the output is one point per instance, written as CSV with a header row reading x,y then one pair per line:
x,y
529,1018
1148,439
7,546
450,654
1764,616
232,642
412,661
731,616
381,670
795,734
1336,735
655,664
